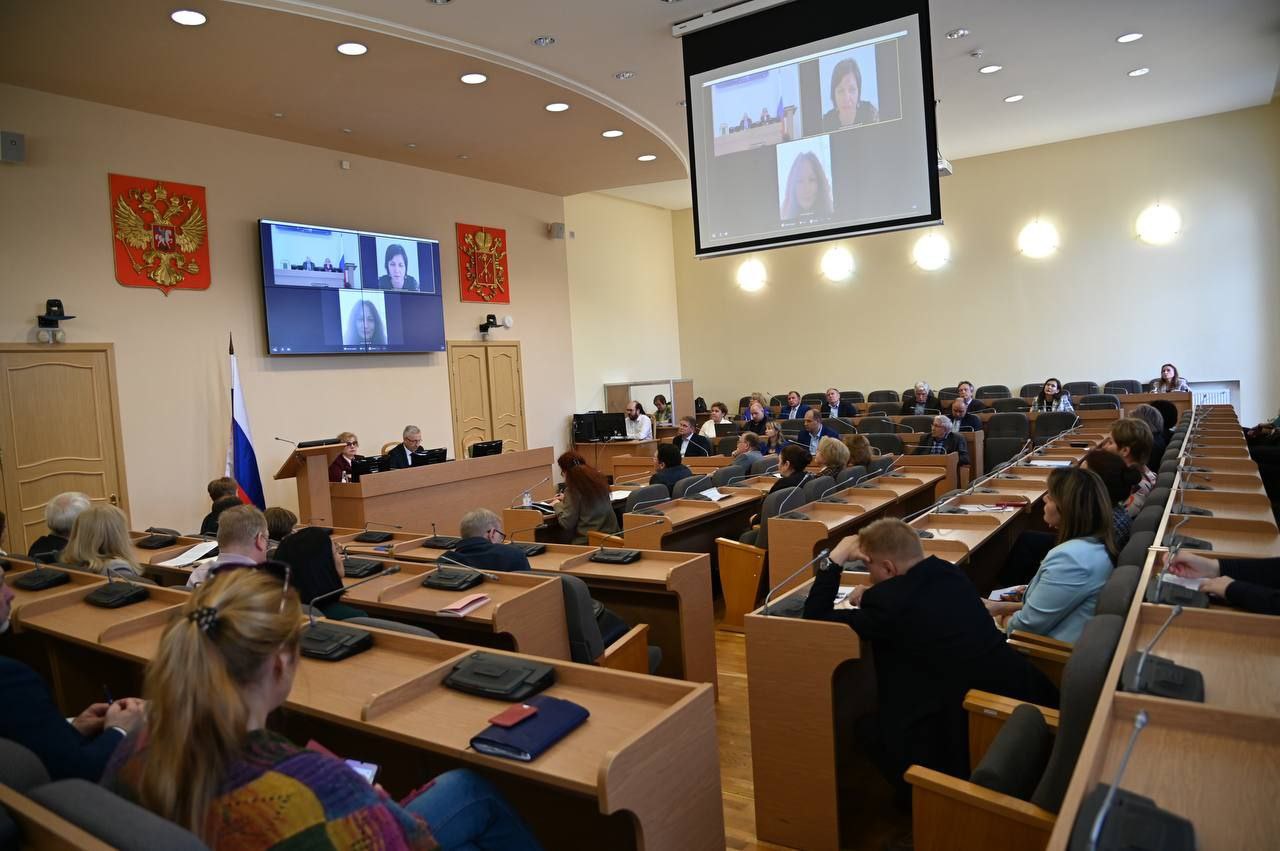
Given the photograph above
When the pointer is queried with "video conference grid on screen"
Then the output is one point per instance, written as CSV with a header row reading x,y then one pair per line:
x,y
822,136
331,291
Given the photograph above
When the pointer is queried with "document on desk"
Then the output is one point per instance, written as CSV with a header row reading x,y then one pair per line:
x,y
194,554
1192,582
842,598
714,494
464,607
1050,462
614,496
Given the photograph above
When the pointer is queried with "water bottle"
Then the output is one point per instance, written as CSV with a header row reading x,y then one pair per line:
x,y
526,499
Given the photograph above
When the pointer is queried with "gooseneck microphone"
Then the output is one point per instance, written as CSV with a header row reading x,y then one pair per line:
x,y
528,491
689,487
768,598
1095,832
635,509
338,592
452,561
799,488
511,536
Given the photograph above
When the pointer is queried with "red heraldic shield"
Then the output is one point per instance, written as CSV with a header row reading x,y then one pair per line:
x,y
482,264
159,233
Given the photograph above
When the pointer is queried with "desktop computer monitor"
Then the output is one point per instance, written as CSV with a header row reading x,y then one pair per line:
x,y
610,425
423,457
584,428
365,466
487,447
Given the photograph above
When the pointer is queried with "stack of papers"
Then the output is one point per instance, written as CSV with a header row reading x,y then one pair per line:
x,y
191,555
1050,462
617,495
714,494
1185,581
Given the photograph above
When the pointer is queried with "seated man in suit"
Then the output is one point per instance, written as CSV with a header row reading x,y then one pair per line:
x,y
670,467
942,440
961,418
816,430
835,407
793,410
482,544
59,515
964,390
688,440
921,401
747,452
29,717
933,641
402,456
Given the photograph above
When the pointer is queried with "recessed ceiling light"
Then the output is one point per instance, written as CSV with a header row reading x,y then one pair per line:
x,y
1013,98
1128,37
990,69
346,129
544,40
1139,72
352,48
624,75
647,158
464,156
556,107
188,17
277,115
441,2
473,79
611,134
961,32
411,144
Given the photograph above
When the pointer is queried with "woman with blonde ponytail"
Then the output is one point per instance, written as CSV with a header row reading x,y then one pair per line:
x,y
206,761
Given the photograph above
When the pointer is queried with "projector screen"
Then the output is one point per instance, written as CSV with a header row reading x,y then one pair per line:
x,y
810,121
333,291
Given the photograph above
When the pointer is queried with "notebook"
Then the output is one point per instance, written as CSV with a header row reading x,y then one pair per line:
x,y
463,607
526,741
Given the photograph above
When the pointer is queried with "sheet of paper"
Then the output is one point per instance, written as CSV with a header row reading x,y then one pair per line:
x,y
843,599
1185,581
191,555
1050,462
998,594
714,494
616,495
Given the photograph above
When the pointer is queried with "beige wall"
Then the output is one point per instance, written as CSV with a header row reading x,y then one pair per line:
x,y
1105,306
622,290
171,352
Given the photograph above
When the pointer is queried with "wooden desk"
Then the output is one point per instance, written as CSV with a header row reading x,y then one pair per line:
x,y
947,465
958,477
632,469
1225,504
1230,538
915,489
1181,401
415,498
184,543
600,455
793,542
691,525
642,771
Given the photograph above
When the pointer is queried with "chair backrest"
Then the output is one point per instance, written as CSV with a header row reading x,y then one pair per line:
x,y
117,822
1148,519
722,476
393,626
920,423
997,450
1016,758
883,396
1010,405
1082,680
744,403
881,464
1167,410
791,427
1097,401
585,641
20,769
884,408
839,426
851,474
764,465
992,391
1125,385
814,400
1051,424
1135,552
1117,594
814,488
946,394
725,445
1080,388
770,509
1008,424
886,442
1030,391
1165,480
1158,497
690,485
780,401
854,396
645,494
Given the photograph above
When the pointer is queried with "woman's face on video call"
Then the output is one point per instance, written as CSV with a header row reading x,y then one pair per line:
x,y
847,96
806,186
368,325
395,268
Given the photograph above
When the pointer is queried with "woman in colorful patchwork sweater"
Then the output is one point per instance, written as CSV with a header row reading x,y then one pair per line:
x,y
207,762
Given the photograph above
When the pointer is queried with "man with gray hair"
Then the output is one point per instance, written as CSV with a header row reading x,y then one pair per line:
x,y
402,456
942,440
482,544
59,515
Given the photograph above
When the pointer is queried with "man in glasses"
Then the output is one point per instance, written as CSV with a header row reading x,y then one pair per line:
x,y
242,540
482,544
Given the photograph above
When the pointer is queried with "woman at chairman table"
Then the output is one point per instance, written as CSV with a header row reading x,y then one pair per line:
x,y
340,469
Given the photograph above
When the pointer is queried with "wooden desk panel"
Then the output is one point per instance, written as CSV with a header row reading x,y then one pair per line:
x,y
1181,401
691,525
601,455
1225,504
1230,538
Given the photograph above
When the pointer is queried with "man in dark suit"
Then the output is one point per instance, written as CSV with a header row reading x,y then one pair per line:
x,y
793,410
961,418
973,404
689,441
942,441
815,430
836,407
920,401
933,641
401,456
59,515
670,467
29,717
482,544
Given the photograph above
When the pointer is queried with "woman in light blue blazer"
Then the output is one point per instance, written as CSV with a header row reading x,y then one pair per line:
x,y
1063,594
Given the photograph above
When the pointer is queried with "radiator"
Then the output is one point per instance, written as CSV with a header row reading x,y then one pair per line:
x,y
1215,396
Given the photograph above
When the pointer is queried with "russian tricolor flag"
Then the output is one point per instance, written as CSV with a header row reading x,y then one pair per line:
x,y
242,462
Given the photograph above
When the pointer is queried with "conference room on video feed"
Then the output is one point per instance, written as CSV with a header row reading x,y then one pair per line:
x,y
753,182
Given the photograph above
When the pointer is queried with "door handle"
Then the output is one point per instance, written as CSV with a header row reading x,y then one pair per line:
x,y
113,499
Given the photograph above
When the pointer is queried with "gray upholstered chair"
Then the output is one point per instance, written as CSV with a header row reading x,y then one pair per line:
x,y
1148,519
765,465
813,489
851,474
876,425
992,391
1030,391
1097,401
1051,424
1009,406
1135,552
722,476
998,450
917,423
20,769
1080,388
1117,594
1008,425
886,442
883,396
1119,386
392,626
646,495
586,642
117,822
691,485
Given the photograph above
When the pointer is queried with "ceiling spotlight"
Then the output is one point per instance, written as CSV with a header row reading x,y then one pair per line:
x,y
1013,98
931,252
989,69
352,48
277,115
544,40
473,79
624,75
1128,37
556,107
1158,224
411,144
441,2
957,33
837,264
346,129
1139,72
752,276
1038,239
188,17
464,156
611,134
647,158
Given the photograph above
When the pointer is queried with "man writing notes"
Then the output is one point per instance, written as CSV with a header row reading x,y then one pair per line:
x,y
688,440
638,425
402,455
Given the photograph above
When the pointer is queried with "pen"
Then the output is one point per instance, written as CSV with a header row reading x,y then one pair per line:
x,y
107,691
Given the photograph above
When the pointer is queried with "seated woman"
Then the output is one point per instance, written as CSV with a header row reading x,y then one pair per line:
x,y
791,466
832,458
1252,584
1120,479
584,504
719,414
774,440
340,469
1131,439
316,561
280,522
1052,397
859,449
1169,381
661,410
100,542
211,765
1063,594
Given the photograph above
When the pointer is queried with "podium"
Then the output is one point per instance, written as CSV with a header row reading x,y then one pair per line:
x,y
310,466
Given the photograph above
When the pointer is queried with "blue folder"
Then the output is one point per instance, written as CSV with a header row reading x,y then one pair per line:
x,y
527,740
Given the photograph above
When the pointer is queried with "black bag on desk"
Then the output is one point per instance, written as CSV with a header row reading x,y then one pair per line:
x,y
500,677
155,542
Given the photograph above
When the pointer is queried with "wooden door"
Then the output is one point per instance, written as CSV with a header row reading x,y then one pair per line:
x,y
506,396
61,432
469,389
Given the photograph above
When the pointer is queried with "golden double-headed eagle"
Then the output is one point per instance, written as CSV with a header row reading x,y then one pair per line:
x,y
167,245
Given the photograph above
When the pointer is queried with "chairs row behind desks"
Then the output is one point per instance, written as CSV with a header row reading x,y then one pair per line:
x,y
648,750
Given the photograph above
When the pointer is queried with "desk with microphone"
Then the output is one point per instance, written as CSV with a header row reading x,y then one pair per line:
x,y
331,642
